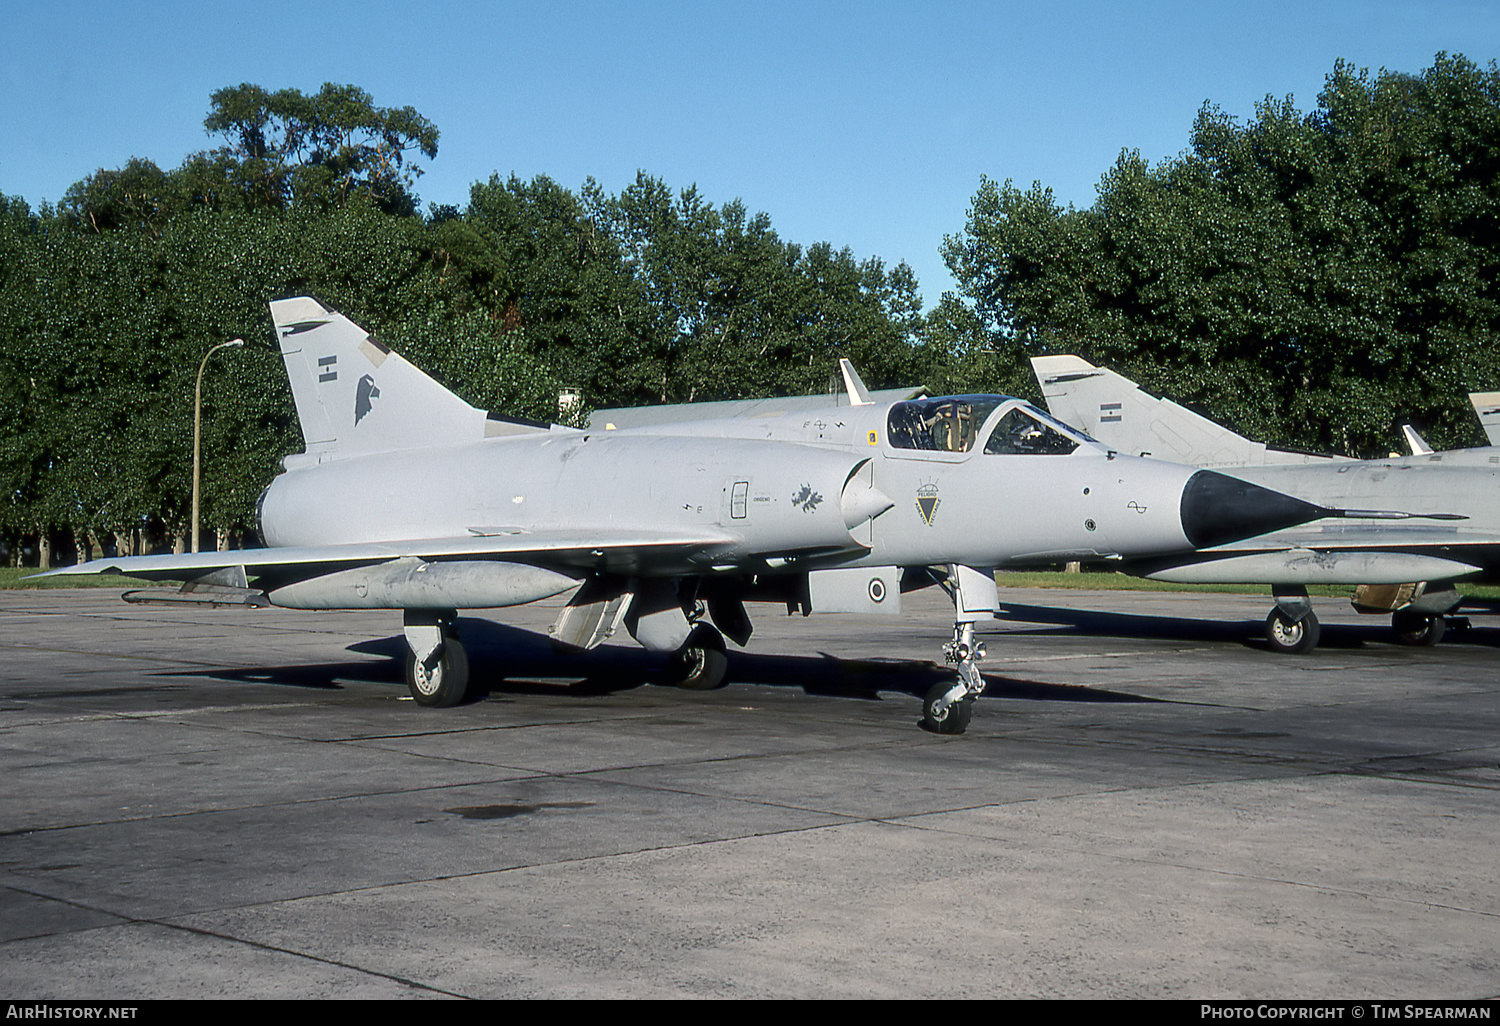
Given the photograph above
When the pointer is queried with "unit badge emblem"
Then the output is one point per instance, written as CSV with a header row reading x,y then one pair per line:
x,y
928,502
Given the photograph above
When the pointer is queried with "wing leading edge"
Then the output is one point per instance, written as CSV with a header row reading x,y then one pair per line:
x,y
563,550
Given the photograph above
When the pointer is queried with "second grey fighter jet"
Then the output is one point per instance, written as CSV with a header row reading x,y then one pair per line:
x,y
409,498
1403,563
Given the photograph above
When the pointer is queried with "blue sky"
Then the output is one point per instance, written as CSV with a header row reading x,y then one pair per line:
x,y
866,125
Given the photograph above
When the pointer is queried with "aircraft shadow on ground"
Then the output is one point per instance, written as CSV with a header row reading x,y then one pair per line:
x,y
512,661
1250,633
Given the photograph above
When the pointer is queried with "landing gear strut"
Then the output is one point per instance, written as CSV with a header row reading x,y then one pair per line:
x,y
437,668
948,708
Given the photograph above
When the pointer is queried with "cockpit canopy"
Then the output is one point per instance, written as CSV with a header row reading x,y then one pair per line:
x,y
955,423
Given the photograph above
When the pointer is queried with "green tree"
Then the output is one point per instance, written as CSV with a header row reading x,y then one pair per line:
x,y
108,304
286,147
1313,280
139,196
555,285
732,311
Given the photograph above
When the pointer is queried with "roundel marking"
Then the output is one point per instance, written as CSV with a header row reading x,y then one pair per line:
x,y
877,590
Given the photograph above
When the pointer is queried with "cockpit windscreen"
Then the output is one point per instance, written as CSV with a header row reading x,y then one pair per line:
x,y
946,424
1021,433
954,424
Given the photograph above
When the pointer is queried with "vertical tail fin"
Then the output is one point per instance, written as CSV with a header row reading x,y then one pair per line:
x,y
354,395
1114,410
859,395
1487,405
1415,442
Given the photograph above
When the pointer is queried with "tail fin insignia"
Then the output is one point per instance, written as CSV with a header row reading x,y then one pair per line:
x,y
367,391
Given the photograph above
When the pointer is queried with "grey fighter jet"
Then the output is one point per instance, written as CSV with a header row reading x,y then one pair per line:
x,y
1445,523
409,498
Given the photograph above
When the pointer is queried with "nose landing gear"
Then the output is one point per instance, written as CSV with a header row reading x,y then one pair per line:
x,y
948,708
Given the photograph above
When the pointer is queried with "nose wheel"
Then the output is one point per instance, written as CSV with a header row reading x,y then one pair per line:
x,y
944,715
948,708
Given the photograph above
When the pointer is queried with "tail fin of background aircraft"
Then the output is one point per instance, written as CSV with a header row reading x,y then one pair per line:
x,y
1115,411
355,396
859,395
1415,442
1487,405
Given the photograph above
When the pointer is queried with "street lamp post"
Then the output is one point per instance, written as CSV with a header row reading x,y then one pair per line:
x,y
198,426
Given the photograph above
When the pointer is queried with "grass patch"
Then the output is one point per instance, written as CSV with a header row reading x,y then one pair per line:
x,y
11,578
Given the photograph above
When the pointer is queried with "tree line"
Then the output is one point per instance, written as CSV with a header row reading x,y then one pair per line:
x,y
1311,279
109,301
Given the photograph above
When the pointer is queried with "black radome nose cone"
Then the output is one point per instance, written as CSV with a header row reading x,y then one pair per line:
x,y
1217,508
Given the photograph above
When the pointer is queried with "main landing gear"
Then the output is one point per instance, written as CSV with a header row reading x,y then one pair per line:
x,y
1292,637
701,663
1417,614
437,668
1419,611
1292,629
1414,628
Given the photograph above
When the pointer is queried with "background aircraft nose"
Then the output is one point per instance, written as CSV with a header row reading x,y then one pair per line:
x,y
1217,508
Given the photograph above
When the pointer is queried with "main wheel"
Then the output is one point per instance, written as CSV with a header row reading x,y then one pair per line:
x,y
444,684
699,665
952,720
1416,628
1292,637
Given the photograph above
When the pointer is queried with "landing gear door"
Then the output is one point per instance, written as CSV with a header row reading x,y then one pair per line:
x,y
975,597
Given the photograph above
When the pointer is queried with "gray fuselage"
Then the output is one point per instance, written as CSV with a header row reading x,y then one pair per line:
x,y
820,489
